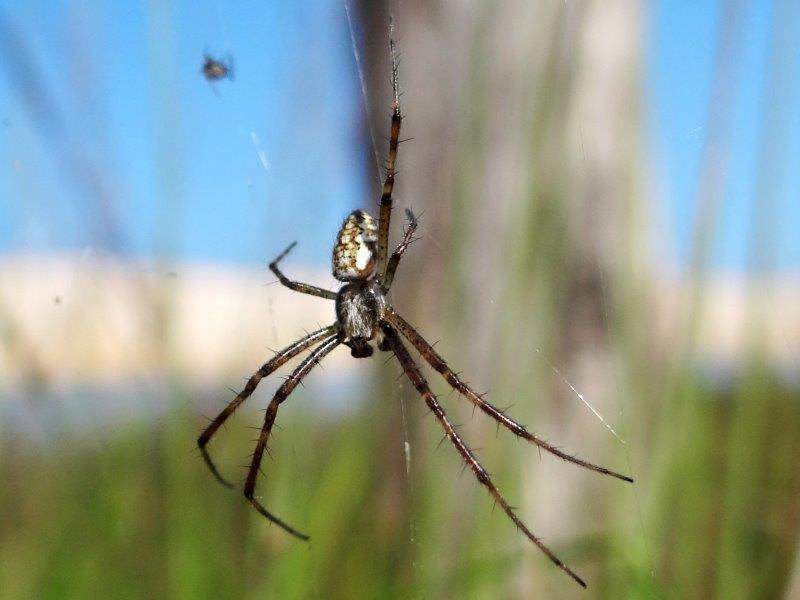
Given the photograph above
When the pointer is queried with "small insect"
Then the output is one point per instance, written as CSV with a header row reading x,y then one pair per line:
x,y
363,313
215,69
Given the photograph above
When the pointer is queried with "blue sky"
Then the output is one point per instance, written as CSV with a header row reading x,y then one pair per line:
x,y
164,133
679,67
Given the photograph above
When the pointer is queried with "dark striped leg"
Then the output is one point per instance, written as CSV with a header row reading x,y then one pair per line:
x,y
414,374
304,288
388,184
438,363
408,237
269,420
276,361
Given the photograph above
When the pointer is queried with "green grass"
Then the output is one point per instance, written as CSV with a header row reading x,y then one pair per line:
x,y
134,514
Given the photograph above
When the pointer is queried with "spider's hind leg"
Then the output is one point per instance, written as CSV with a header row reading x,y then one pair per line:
x,y
415,375
438,363
276,361
269,420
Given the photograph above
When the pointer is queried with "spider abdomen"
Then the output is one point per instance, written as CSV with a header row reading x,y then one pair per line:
x,y
355,251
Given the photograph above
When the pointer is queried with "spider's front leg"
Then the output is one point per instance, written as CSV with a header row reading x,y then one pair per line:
x,y
297,286
269,420
394,261
415,375
388,184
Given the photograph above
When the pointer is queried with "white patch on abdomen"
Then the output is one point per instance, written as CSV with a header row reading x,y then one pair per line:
x,y
363,256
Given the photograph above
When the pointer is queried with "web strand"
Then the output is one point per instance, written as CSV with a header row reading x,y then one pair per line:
x,y
639,513
364,98
581,397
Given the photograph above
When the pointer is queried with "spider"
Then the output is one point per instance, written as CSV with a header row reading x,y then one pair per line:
x,y
215,69
363,314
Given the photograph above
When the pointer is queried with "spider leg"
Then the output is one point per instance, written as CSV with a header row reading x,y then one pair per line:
x,y
416,377
276,361
408,237
388,184
439,364
269,420
304,288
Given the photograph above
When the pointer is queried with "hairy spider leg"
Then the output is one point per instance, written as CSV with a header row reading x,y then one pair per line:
x,y
297,286
439,364
269,420
268,367
388,184
415,375
408,237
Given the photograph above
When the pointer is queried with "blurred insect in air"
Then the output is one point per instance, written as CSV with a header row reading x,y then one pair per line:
x,y
361,261
215,69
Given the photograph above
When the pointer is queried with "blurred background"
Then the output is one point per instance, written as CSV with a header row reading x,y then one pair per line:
x,y
610,244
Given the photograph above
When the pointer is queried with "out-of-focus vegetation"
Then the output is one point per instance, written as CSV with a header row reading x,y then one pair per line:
x,y
132,512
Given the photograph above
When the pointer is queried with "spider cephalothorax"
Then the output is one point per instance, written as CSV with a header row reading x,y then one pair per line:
x,y
362,261
360,308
